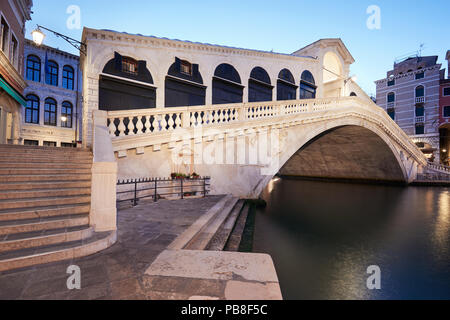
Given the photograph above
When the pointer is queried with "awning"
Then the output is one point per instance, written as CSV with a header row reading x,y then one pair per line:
x,y
12,92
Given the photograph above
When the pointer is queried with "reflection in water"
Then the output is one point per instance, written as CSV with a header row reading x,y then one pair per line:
x,y
323,236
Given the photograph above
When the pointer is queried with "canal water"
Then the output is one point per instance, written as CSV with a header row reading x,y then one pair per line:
x,y
323,236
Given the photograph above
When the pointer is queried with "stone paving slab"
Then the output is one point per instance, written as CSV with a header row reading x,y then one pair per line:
x,y
211,275
118,272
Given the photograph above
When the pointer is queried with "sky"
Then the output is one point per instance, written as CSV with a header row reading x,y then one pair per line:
x,y
279,25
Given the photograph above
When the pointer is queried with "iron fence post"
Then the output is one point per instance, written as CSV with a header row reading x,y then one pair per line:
x,y
156,190
135,194
182,192
204,187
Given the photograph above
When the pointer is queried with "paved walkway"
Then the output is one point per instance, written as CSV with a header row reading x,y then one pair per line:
x,y
118,272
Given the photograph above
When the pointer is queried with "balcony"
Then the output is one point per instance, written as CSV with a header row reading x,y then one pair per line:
x,y
420,100
420,120
391,105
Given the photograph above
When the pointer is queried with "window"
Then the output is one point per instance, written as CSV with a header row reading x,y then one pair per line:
x,y
420,129
446,91
129,65
307,86
49,144
420,75
68,78
391,82
420,111
66,115
13,51
51,74
4,35
420,91
30,142
32,109
50,112
67,145
186,68
353,94
33,68
447,112
391,97
391,113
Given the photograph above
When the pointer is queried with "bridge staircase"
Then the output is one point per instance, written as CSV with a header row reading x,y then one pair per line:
x,y
220,229
434,174
45,196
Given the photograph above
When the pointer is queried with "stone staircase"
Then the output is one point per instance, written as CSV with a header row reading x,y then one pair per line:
x,y
45,196
218,230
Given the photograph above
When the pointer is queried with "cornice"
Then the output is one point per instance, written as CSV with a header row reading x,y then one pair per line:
x,y
130,39
399,76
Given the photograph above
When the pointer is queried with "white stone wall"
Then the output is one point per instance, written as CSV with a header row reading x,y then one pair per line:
x,y
41,132
160,55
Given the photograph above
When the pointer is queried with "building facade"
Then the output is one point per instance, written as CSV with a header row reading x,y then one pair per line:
x,y
444,115
13,15
54,101
410,95
123,71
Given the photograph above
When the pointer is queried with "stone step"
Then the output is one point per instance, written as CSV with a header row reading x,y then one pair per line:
x,y
38,149
44,185
25,226
43,159
201,240
39,171
43,165
46,238
43,202
222,235
183,240
45,178
235,238
44,212
37,193
65,251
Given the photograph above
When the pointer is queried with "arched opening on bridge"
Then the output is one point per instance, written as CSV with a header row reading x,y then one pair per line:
x,y
333,75
226,85
184,85
126,84
286,88
347,152
307,86
352,94
259,86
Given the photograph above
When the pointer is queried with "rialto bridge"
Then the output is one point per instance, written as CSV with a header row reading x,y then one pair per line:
x,y
242,146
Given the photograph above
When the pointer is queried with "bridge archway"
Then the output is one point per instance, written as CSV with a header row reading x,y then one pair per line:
x,y
347,151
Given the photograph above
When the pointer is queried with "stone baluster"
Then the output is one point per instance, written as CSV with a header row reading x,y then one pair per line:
x,y
112,128
148,125
121,127
130,126
139,125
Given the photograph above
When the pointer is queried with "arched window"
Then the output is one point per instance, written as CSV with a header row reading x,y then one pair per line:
x,y
33,68
68,78
51,73
50,112
184,85
391,97
259,86
32,109
307,86
66,114
226,86
420,91
286,88
353,94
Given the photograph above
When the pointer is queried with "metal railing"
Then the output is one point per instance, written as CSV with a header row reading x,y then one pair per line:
x,y
433,177
162,188
420,99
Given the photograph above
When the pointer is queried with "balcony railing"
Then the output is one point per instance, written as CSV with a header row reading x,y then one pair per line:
x,y
420,119
391,105
420,99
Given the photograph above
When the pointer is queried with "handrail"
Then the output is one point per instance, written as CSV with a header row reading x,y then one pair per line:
x,y
153,121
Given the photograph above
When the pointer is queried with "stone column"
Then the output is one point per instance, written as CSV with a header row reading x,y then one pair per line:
x,y
103,215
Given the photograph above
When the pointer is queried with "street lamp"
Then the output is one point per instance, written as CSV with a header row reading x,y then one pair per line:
x,y
64,119
38,38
